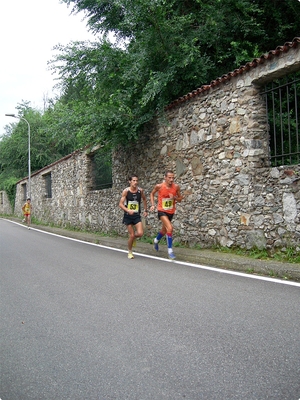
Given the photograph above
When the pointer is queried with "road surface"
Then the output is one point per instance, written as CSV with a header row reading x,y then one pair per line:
x,y
80,321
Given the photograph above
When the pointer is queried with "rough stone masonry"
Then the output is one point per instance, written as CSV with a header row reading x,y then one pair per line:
x,y
217,144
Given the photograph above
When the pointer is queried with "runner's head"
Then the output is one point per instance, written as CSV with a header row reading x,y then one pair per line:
x,y
169,177
133,180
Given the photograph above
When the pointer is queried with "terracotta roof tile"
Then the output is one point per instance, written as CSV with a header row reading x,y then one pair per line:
x,y
249,65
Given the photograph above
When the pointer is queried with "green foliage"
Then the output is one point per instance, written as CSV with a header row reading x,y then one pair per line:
x,y
9,185
48,142
290,254
163,50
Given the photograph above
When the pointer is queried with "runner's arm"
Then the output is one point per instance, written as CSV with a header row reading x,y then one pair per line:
x,y
152,194
122,201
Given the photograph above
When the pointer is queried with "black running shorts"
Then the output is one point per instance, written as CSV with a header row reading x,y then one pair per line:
x,y
131,219
161,213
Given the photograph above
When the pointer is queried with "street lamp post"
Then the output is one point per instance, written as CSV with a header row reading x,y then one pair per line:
x,y
29,162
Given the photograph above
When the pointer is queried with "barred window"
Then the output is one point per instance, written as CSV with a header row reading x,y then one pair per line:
x,y
282,104
100,171
48,185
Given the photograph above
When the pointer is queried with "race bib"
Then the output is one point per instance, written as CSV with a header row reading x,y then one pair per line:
x,y
167,204
133,206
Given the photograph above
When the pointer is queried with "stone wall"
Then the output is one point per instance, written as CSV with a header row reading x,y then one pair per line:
x,y
215,140
72,204
5,206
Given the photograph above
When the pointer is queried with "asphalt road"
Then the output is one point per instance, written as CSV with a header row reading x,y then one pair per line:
x,y
80,321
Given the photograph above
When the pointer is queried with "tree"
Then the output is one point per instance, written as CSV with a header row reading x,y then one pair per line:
x,y
49,142
163,50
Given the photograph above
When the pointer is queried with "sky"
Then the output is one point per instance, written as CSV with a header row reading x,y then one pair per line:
x,y
28,32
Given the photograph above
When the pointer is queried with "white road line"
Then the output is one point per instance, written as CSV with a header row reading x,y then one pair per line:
x,y
199,266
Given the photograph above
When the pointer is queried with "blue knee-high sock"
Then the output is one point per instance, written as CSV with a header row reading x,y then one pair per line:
x,y
169,240
158,237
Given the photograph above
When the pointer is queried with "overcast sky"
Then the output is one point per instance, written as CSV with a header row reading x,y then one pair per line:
x,y
28,32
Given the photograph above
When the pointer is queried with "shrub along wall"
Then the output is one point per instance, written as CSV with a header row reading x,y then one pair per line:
x,y
216,141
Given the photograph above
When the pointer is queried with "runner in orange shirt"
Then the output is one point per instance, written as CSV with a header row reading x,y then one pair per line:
x,y
168,195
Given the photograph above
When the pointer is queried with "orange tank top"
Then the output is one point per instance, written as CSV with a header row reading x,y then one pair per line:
x,y
165,203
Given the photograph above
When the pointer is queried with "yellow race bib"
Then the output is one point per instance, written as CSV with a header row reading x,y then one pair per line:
x,y
133,206
167,204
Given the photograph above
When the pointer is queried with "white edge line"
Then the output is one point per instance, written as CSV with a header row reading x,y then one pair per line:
x,y
220,270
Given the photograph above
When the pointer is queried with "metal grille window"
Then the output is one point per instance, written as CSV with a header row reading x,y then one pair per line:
x,y
48,185
100,172
282,105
